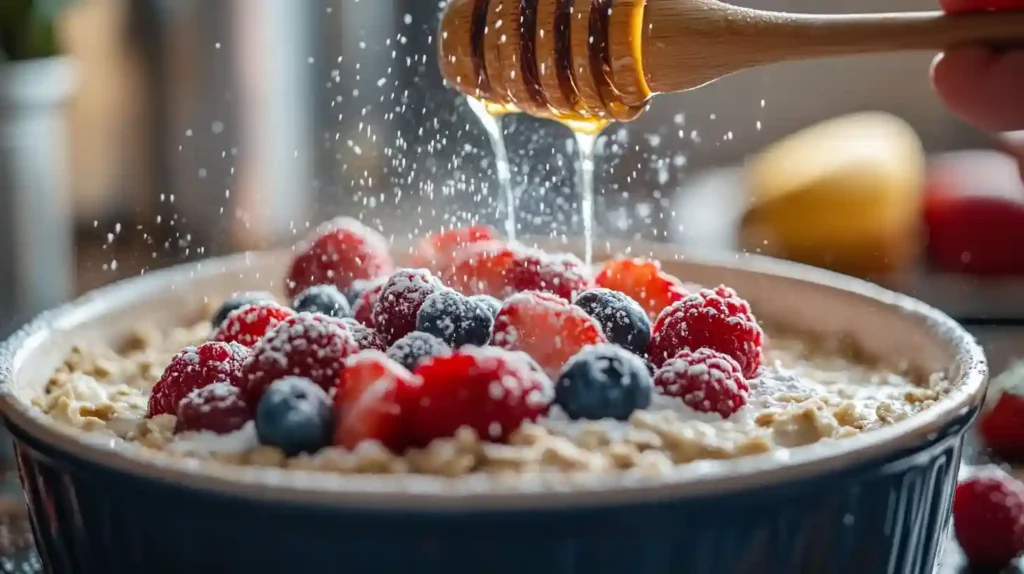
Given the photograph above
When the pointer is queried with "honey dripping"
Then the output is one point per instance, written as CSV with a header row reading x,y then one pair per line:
x,y
544,83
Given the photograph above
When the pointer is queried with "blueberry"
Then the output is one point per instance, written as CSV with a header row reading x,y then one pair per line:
x,y
453,318
237,302
413,348
604,381
295,416
622,319
323,299
492,304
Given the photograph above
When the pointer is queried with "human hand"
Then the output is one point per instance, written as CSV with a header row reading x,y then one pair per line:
x,y
983,85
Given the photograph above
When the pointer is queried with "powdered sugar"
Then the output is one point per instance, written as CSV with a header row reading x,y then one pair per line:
x,y
240,441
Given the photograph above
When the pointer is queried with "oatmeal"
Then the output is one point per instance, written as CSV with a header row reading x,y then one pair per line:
x,y
489,357
799,397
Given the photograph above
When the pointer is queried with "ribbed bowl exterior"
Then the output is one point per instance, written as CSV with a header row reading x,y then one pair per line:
x,y
886,516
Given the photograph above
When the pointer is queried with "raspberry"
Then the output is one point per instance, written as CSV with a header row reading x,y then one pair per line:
x,y
644,281
481,268
341,252
194,368
489,390
394,313
237,302
362,308
367,403
988,517
365,337
718,319
437,250
706,380
220,408
248,324
562,274
546,327
304,345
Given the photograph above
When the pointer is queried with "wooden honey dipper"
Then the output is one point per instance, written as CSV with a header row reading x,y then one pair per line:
x,y
601,60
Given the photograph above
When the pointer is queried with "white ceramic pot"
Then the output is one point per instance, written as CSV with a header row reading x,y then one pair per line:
x,y
36,243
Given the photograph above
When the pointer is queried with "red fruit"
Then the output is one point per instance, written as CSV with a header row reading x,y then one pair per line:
x,y
491,391
546,327
219,408
194,368
366,338
248,324
481,268
1001,424
717,319
362,309
560,274
394,313
437,250
341,252
988,517
974,211
366,401
304,345
706,380
644,281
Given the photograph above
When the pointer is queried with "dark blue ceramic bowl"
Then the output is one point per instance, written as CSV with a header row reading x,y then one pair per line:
x,y
874,503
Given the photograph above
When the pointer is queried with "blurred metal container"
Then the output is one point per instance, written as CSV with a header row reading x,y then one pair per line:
x,y
226,158
36,248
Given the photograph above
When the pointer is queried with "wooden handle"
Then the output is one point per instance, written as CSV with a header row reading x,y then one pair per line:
x,y
689,43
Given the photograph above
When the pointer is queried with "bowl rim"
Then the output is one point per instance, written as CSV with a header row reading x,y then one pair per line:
x,y
415,493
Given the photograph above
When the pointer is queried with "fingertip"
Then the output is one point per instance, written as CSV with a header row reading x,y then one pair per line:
x,y
982,86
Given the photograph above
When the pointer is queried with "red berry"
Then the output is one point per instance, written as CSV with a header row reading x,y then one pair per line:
x,y
248,324
717,319
365,337
644,281
366,401
546,327
561,274
1002,426
394,314
341,252
491,391
194,368
304,345
481,268
437,250
362,309
219,408
988,517
706,380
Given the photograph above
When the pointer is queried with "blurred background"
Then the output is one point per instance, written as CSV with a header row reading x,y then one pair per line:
x,y
141,133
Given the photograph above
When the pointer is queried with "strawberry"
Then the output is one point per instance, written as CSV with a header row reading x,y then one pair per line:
x,y
546,327
341,252
481,268
366,401
559,274
437,250
489,390
988,517
644,281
